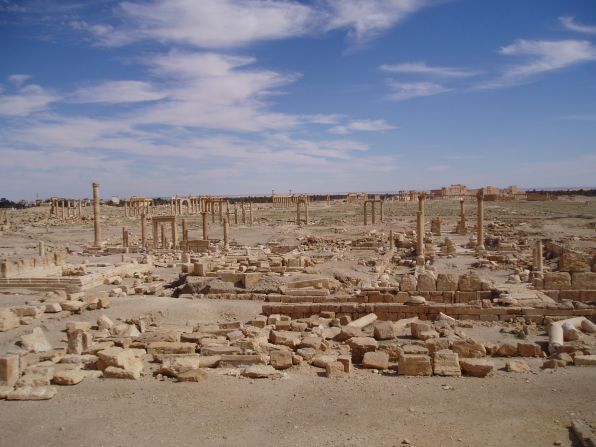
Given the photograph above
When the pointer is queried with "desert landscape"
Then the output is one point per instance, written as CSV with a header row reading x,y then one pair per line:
x,y
291,321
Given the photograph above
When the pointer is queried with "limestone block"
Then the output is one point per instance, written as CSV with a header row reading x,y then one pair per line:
x,y
335,370
306,353
68,377
417,327
375,360
426,282
470,282
235,361
571,261
36,341
9,370
414,365
469,348
585,360
72,306
364,321
507,349
174,364
446,363
126,359
192,375
384,330
311,341
322,360
346,360
281,359
517,366
165,347
52,308
408,283
348,332
447,282
285,338
584,280
476,367
262,372
104,322
557,280
32,393
8,320
529,350
113,372
360,346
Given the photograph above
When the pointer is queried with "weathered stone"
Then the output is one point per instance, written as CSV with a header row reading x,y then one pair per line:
x,y
262,372
113,372
384,330
32,393
306,353
585,360
529,350
557,281
126,359
174,364
9,370
375,360
476,367
507,349
583,281
414,365
335,370
417,327
348,332
446,363
426,283
321,360
408,283
346,360
285,338
8,320
165,347
447,282
192,375
360,346
470,282
235,361
281,359
364,321
517,366
469,348
571,261
104,322
68,377
311,341
36,341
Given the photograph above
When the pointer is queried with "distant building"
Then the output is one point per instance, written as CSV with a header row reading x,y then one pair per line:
x,y
115,200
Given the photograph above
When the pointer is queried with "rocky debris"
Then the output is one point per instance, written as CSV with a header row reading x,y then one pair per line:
x,y
446,363
414,365
36,341
476,367
517,366
375,360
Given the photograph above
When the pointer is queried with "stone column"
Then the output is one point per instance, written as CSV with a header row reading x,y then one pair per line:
x,y
391,240
164,237
365,216
250,213
143,231
243,214
62,209
480,221
205,226
538,267
382,213
155,234
212,212
124,237
172,207
420,238
461,226
297,213
41,248
226,230
372,208
174,235
80,209
126,208
184,230
96,215
235,214
306,212
220,209
421,206
228,211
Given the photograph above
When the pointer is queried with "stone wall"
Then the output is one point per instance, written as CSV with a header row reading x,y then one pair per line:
x,y
48,264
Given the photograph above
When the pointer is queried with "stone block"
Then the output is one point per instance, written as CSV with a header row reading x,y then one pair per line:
x,y
8,320
571,261
285,338
557,280
335,370
517,366
583,281
469,348
585,360
507,349
384,330
164,347
408,283
262,372
476,367
281,359
426,282
36,341
32,393
414,365
446,282
192,375
360,346
529,350
446,363
68,377
9,370
375,360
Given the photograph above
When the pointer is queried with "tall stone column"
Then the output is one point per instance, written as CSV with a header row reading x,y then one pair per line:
x,y
306,212
391,240
480,221
174,235
41,248
226,236
243,214
538,267
205,226
372,209
297,213
155,233
126,208
212,212
164,237
420,238
365,216
184,230
250,212
96,215
220,209
228,211
421,198
382,213
461,226
62,212
124,237
235,214
143,231
80,209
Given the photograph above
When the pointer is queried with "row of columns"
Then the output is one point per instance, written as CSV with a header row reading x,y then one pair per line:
x,y
66,208
136,207
301,203
373,213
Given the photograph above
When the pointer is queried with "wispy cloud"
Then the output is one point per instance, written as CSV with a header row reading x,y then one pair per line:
x,y
421,68
26,100
439,168
362,126
400,91
115,92
19,79
570,23
541,56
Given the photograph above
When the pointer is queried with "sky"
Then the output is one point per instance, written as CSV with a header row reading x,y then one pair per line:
x,y
235,97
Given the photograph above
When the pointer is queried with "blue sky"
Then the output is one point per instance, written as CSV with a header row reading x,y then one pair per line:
x,y
168,97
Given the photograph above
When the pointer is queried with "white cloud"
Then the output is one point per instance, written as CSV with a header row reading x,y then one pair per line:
x,y
423,69
26,100
321,118
367,19
19,79
438,168
572,25
216,23
406,90
114,92
363,125
546,55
